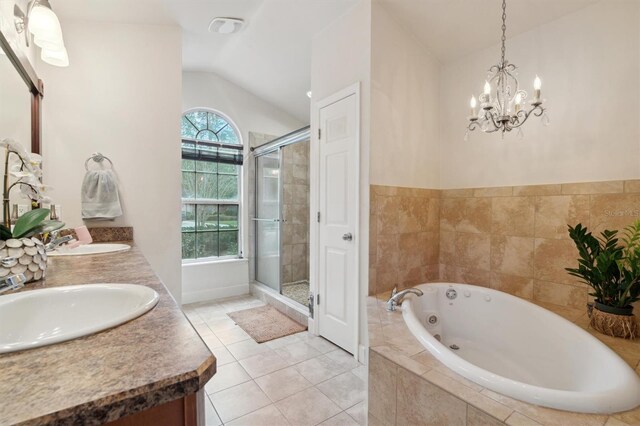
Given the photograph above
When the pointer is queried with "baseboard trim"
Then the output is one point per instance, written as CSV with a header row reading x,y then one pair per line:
x,y
214,293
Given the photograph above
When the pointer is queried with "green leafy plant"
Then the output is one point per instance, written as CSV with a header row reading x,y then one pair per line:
x,y
608,264
29,224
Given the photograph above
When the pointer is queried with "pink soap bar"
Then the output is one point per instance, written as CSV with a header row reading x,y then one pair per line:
x,y
83,235
72,244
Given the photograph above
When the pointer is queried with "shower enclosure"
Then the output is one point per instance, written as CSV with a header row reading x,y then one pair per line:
x,y
282,215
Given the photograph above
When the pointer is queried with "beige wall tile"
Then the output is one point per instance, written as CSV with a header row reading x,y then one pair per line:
x,y
532,190
384,190
387,217
451,213
513,216
611,187
457,193
560,294
518,286
447,247
501,191
386,279
476,417
383,379
421,403
473,250
614,211
512,255
476,216
550,259
472,276
448,273
388,251
632,185
553,214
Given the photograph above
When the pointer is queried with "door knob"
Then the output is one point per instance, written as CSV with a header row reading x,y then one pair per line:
x,y
347,237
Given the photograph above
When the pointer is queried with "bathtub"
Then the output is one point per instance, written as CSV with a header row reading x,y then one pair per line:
x,y
519,349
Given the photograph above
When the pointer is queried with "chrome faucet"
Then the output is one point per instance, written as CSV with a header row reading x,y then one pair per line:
x,y
397,297
12,282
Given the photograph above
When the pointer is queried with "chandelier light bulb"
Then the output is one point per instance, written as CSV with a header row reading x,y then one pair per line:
x,y
518,102
487,88
537,83
473,103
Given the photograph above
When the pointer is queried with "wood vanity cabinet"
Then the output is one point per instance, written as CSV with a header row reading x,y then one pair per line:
x,y
180,412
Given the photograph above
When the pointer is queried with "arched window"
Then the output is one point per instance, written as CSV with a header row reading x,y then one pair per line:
x,y
211,162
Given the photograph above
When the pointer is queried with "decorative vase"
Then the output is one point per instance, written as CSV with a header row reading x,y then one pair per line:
x,y
613,321
23,256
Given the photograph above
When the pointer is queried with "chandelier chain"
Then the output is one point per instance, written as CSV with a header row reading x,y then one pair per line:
x,y
504,28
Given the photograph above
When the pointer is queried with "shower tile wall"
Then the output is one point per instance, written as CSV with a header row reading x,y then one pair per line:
x,y
255,139
295,229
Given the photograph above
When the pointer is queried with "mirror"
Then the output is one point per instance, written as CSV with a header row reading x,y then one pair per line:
x,y
15,105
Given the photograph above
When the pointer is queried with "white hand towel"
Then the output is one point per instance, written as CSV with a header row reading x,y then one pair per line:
x,y
100,199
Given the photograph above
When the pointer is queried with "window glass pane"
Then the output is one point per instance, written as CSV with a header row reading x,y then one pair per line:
x,y
207,135
188,217
228,169
207,217
206,186
228,243
187,129
227,187
206,244
188,185
216,122
228,135
188,165
199,118
228,217
188,245
206,166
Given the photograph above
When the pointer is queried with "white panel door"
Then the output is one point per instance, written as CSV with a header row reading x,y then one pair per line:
x,y
337,263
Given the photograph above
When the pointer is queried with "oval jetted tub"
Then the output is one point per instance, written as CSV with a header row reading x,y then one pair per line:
x,y
519,349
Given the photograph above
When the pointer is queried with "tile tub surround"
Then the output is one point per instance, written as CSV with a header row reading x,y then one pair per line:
x,y
407,385
404,239
146,362
515,239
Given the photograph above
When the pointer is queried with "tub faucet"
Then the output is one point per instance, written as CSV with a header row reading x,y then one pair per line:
x,y
398,296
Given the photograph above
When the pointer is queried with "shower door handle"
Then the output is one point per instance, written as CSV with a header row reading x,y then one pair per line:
x,y
348,236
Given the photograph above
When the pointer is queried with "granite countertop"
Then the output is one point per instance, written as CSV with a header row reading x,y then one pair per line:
x,y
390,338
153,359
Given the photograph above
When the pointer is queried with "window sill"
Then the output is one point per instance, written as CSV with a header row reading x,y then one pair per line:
x,y
213,261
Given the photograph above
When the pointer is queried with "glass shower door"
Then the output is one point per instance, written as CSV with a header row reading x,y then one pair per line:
x,y
267,220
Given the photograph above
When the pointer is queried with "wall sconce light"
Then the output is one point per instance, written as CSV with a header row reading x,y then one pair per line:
x,y
41,22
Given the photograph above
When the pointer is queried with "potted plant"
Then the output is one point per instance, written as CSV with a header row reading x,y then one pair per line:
x,y
611,267
21,247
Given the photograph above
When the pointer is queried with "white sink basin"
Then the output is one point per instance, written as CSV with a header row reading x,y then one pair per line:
x,y
89,249
43,317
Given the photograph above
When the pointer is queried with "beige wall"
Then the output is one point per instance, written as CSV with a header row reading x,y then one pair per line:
x,y
341,57
404,107
589,63
121,96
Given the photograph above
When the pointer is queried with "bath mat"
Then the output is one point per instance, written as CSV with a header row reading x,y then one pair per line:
x,y
266,323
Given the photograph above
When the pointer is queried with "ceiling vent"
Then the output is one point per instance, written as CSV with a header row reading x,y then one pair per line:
x,y
226,25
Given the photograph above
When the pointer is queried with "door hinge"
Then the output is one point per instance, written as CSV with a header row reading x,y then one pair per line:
x,y
318,299
319,133
318,217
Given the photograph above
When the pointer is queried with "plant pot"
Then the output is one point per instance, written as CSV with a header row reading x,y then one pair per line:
x,y
624,326
627,310
28,258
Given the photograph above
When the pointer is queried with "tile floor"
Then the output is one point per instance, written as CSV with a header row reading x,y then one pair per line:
x,y
296,380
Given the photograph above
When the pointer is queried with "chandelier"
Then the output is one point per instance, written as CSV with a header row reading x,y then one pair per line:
x,y
503,104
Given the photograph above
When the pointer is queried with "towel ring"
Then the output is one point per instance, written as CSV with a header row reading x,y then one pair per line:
x,y
98,158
